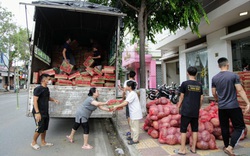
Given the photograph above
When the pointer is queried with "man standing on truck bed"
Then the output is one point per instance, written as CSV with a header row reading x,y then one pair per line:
x,y
40,111
97,58
67,52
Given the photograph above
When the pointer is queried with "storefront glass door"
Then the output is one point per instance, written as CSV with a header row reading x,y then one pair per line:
x,y
199,60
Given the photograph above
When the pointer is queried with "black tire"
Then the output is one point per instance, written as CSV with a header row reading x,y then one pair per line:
x,y
151,97
175,100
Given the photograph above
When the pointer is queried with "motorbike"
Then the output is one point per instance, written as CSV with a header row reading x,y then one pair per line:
x,y
170,92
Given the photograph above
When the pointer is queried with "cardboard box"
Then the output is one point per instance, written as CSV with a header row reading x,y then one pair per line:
x,y
49,72
74,75
114,102
109,78
108,69
61,76
90,71
35,79
97,71
66,67
88,62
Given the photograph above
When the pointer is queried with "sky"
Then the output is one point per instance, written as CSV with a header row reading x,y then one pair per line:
x,y
19,11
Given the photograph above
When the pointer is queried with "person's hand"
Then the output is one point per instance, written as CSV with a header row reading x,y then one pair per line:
x,y
56,101
247,109
38,117
107,102
66,60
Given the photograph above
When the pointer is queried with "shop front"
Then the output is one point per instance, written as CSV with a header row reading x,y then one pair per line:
x,y
131,61
229,39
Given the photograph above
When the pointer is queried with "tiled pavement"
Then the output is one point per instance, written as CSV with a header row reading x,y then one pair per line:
x,y
151,147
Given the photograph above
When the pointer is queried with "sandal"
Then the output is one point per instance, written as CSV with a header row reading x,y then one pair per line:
x,y
129,138
87,147
48,144
176,151
131,142
228,152
194,152
69,139
35,147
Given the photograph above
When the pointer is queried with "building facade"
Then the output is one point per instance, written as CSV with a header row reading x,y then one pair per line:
x,y
228,35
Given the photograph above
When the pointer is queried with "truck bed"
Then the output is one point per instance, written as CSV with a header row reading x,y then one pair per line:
x,y
70,98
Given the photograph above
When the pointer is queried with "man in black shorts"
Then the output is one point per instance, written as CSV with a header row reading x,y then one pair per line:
x,y
190,103
225,86
40,111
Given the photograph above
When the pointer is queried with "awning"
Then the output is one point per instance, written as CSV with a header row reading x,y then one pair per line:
x,y
237,35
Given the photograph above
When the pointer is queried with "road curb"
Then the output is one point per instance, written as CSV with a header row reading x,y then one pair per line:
x,y
130,149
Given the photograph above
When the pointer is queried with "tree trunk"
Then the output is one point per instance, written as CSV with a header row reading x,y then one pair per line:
x,y
8,87
142,33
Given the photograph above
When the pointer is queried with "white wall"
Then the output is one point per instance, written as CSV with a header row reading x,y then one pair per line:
x,y
183,64
220,47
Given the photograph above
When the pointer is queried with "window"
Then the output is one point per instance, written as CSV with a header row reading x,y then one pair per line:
x,y
199,60
241,53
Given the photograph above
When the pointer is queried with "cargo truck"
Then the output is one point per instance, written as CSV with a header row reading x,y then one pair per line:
x,y
86,23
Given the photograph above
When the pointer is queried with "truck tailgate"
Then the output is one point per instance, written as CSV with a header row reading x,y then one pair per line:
x,y
70,98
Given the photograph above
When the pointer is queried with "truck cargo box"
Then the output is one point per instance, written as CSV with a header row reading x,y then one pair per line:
x,y
84,22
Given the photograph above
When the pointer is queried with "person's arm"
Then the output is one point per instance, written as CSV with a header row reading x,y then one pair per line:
x,y
243,95
37,113
64,54
124,103
202,97
96,57
215,94
180,100
97,103
104,108
54,100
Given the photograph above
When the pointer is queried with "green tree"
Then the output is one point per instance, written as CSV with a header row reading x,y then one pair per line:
x,y
148,17
13,40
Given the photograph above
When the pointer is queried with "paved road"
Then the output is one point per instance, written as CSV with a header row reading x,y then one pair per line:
x,y
16,131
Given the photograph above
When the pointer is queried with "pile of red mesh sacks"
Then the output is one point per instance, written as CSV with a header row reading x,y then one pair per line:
x,y
163,123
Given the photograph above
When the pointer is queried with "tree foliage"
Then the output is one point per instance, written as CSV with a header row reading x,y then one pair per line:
x,y
160,15
145,18
13,39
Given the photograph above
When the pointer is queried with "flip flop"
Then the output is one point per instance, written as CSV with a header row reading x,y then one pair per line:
x,y
35,147
69,139
129,138
87,147
176,151
194,152
228,152
131,142
47,144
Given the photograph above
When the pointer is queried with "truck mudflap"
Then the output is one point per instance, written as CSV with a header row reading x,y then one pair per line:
x,y
70,98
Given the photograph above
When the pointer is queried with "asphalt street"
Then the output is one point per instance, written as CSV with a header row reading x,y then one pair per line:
x,y
16,132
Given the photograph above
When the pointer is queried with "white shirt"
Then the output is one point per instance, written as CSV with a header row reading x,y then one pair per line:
x,y
134,106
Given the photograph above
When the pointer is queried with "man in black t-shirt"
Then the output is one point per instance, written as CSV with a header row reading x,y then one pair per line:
x,y
190,103
40,111
67,52
97,58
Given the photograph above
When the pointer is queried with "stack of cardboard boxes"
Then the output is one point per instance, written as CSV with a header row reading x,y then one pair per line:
x,y
245,81
87,77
